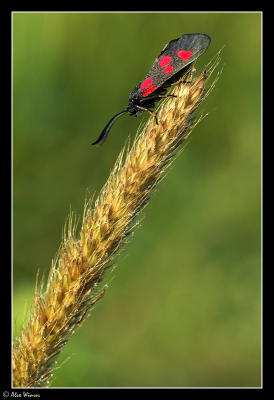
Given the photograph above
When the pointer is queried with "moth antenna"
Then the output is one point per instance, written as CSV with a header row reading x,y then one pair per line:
x,y
101,139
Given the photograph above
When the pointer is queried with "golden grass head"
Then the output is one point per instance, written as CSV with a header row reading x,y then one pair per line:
x,y
73,285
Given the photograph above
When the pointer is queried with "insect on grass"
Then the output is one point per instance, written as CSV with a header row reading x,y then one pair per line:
x,y
173,62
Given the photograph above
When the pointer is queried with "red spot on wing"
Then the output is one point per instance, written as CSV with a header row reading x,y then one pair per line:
x,y
148,87
147,82
165,63
149,90
168,69
184,55
165,60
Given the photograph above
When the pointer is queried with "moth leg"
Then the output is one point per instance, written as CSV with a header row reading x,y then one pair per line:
x,y
188,76
187,82
167,95
181,81
149,111
174,83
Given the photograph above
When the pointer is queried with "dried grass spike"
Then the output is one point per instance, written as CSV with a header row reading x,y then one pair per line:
x,y
74,283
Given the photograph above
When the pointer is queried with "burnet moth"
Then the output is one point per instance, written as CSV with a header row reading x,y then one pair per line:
x,y
172,63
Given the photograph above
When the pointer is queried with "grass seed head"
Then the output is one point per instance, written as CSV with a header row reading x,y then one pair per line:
x,y
73,286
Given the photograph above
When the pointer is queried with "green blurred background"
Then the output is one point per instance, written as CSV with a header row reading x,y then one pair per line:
x,y
183,309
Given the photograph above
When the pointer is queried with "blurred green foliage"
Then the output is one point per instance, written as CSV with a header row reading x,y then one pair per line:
x,y
184,307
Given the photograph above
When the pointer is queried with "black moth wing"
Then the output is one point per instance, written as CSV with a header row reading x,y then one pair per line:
x,y
197,43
